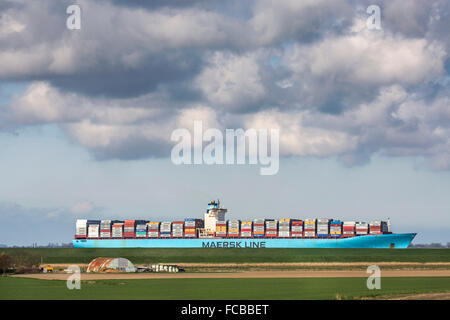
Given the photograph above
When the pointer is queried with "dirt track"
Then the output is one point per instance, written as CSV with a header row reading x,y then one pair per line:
x,y
316,264
292,264
246,274
425,296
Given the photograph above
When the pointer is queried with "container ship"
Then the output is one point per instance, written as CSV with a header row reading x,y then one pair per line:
x,y
213,231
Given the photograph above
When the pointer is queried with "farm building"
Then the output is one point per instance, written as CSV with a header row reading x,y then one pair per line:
x,y
111,265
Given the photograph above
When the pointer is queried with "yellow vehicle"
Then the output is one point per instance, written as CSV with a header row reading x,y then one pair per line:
x,y
47,268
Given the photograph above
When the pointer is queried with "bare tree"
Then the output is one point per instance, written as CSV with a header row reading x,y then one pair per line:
x,y
21,259
5,263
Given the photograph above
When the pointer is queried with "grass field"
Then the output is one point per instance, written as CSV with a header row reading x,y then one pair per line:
x,y
218,255
252,289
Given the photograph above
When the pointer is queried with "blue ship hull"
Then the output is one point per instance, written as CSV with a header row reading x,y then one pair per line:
x,y
398,241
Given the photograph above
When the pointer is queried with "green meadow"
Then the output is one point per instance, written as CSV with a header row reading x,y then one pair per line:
x,y
222,255
238,288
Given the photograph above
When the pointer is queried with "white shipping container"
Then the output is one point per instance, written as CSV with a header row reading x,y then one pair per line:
x,y
93,231
81,227
297,235
81,223
80,231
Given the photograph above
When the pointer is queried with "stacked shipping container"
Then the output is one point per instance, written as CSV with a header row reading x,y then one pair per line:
x,y
233,228
177,229
309,228
297,228
141,229
348,228
117,230
377,227
246,229
336,228
81,228
165,230
93,228
153,229
258,228
323,226
361,228
105,229
190,228
221,229
128,229
271,228
284,228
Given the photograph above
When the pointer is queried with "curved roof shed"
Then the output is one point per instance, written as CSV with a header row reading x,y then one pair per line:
x,y
111,265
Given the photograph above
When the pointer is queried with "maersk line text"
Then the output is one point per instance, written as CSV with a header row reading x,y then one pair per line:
x,y
234,244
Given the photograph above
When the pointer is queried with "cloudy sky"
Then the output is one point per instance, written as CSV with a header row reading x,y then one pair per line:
x,y
86,115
